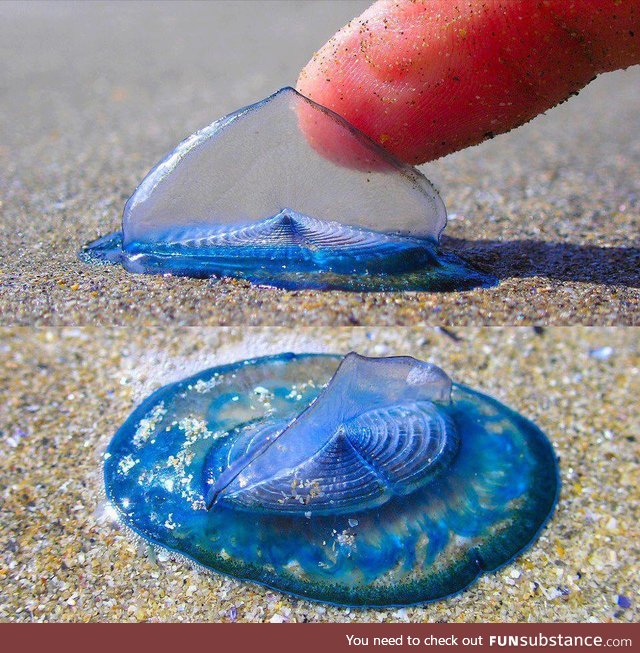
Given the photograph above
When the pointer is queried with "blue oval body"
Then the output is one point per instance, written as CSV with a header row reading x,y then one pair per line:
x,y
395,265
481,505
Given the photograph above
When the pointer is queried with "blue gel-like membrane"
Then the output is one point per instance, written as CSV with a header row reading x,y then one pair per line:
x,y
355,481
256,196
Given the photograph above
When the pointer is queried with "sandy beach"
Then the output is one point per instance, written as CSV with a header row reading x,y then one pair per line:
x,y
94,94
64,392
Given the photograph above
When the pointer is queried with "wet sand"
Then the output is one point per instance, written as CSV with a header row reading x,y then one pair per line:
x,y
95,93
63,393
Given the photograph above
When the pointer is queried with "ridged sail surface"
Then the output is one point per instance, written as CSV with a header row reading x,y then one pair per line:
x,y
372,457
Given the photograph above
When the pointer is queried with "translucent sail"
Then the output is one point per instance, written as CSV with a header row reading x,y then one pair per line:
x,y
259,161
373,433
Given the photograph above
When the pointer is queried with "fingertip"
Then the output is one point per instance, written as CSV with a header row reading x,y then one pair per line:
x,y
426,79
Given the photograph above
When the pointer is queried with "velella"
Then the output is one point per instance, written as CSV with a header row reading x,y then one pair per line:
x,y
350,480
286,193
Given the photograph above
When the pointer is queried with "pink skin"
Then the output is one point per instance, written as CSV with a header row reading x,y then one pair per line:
x,y
429,77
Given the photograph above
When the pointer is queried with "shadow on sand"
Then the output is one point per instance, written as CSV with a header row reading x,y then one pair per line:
x,y
562,261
